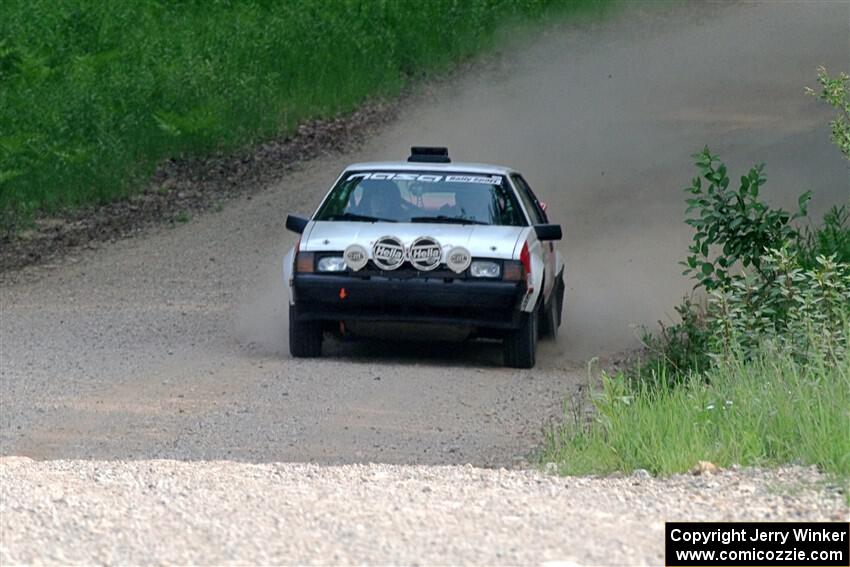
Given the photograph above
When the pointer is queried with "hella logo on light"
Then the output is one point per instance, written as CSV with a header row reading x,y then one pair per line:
x,y
425,253
388,253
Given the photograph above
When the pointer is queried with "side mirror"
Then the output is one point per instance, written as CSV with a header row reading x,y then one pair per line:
x,y
543,205
296,224
548,231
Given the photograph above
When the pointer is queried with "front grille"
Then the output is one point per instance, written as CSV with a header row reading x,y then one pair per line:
x,y
408,271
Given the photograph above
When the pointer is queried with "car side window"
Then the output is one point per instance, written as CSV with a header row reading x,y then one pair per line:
x,y
529,200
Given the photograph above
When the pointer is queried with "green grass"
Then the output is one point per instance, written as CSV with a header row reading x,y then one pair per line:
x,y
94,94
766,411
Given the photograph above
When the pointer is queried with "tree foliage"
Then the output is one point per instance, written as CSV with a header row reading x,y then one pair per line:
x,y
836,91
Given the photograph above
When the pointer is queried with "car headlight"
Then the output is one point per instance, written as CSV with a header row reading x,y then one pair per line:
x,y
485,269
331,264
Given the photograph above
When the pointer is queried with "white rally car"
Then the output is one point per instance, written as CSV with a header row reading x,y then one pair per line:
x,y
428,242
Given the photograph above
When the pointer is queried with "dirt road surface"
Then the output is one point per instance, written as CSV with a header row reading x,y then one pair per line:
x,y
172,345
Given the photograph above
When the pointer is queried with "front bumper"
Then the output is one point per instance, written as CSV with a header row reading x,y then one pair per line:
x,y
476,303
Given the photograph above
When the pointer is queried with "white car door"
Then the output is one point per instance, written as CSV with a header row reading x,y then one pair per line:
x,y
538,216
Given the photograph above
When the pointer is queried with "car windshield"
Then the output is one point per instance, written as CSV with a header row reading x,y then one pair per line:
x,y
426,196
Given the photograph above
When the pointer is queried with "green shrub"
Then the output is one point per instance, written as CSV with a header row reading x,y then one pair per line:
x,y
760,374
732,227
677,350
733,230
784,306
765,278
836,91
832,238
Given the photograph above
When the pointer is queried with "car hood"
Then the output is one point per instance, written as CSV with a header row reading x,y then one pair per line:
x,y
481,240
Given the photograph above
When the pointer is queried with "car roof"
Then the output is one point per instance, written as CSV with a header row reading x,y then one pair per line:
x,y
458,167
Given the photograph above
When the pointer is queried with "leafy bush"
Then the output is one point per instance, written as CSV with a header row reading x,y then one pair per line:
x,y
836,91
737,222
783,308
832,238
758,375
766,280
677,350
734,230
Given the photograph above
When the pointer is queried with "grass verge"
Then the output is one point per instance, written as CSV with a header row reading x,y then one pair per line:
x,y
767,410
93,95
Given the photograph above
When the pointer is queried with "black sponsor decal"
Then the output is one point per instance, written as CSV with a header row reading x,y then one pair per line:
x,y
429,177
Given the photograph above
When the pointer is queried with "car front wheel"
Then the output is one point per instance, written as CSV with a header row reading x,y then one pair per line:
x,y
520,346
305,337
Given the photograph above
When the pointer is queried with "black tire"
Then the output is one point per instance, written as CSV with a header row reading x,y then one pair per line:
x,y
520,346
305,337
550,318
560,296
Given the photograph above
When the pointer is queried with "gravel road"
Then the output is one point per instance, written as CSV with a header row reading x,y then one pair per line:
x,y
213,513
170,345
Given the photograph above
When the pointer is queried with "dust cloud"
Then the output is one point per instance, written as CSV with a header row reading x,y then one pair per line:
x,y
602,117
262,316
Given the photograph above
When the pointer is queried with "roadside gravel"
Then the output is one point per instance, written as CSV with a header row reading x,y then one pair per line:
x,y
142,512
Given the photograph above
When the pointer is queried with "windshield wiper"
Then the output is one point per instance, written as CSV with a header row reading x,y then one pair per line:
x,y
447,220
356,217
